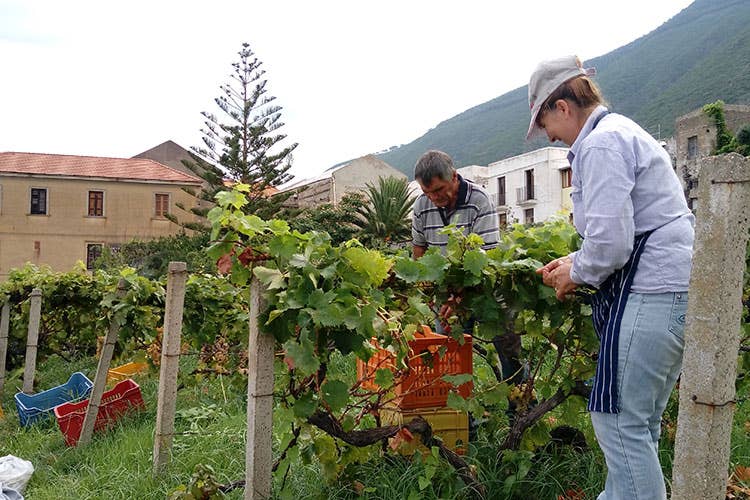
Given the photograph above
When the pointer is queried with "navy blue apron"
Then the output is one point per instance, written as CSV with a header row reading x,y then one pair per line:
x,y
607,308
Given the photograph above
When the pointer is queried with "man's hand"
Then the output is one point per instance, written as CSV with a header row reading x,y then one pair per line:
x,y
557,275
446,311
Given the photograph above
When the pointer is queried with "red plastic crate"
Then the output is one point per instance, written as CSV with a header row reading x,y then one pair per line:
x,y
124,397
423,386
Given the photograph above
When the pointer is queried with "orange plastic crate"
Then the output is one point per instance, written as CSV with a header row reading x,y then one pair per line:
x,y
123,398
423,386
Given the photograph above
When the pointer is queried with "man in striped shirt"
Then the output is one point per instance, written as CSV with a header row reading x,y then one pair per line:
x,y
447,199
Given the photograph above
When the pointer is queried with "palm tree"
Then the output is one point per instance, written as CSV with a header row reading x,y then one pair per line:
x,y
384,219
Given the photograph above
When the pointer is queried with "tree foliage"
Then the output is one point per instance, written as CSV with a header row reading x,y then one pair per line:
x,y
151,258
725,140
336,220
244,142
384,219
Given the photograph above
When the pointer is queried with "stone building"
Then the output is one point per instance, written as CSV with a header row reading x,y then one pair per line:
x,y
695,138
334,183
59,209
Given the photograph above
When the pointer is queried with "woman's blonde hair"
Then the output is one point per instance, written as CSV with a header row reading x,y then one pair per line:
x,y
580,90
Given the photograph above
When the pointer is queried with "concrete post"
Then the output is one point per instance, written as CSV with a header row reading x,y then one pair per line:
x,y
4,328
712,331
32,339
170,359
100,380
258,456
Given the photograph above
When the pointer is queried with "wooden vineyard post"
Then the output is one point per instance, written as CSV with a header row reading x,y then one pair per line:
x,y
4,328
32,339
712,330
100,380
170,359
258,456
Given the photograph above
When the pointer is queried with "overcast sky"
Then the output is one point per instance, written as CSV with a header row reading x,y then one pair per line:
x,y
107,78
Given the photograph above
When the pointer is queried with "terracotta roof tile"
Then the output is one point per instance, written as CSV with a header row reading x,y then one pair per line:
x,y
138,169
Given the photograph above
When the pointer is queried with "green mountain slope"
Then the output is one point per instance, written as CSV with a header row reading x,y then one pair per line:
x,y
700,55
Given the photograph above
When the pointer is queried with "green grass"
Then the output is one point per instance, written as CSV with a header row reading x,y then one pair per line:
x,y
117,464
211,428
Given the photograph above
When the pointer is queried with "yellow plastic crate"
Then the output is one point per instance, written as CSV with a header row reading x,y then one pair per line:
x,y
126,371
452,426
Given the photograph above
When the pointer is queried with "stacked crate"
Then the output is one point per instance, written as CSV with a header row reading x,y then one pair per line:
x,y
422,390
39,408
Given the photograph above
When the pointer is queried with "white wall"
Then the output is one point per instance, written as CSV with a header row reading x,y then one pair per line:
x,y
547,164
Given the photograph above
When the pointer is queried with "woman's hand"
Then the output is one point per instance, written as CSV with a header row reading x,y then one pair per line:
x,y
557,275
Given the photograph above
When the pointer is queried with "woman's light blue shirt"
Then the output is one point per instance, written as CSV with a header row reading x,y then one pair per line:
x,y
624,185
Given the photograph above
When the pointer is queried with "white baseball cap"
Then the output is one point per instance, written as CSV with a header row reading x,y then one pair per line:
x,y
546,78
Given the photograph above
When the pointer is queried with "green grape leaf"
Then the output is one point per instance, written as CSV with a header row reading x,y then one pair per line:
x,y
305,405
459,379
408,270
327,315
384,377
433,266
351,317
232,198
335,393
251,225
456,402
272,278
302,355
299,260
369,262
497,394
475,261
283,246
278,226
420,306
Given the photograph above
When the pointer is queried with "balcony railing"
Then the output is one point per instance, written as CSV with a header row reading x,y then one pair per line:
x,y
498,199
524,194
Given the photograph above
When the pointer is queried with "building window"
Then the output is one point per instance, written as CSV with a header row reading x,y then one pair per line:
x,y
692,147
567,177
529,184
96,203
161,205
38,201
502,219
501,191
528,216
93,252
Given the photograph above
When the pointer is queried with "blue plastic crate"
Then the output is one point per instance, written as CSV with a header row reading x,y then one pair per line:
x,y
33,408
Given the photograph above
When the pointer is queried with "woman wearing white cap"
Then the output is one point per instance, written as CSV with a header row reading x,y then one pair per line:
x,y
637,232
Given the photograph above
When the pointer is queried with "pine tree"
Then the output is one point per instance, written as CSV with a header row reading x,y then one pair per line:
x,y
243,143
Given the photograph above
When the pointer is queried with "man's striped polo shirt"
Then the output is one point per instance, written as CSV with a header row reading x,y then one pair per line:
x,y
473,213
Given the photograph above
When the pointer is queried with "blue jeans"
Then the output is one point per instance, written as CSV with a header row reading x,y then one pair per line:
x,y
649,361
